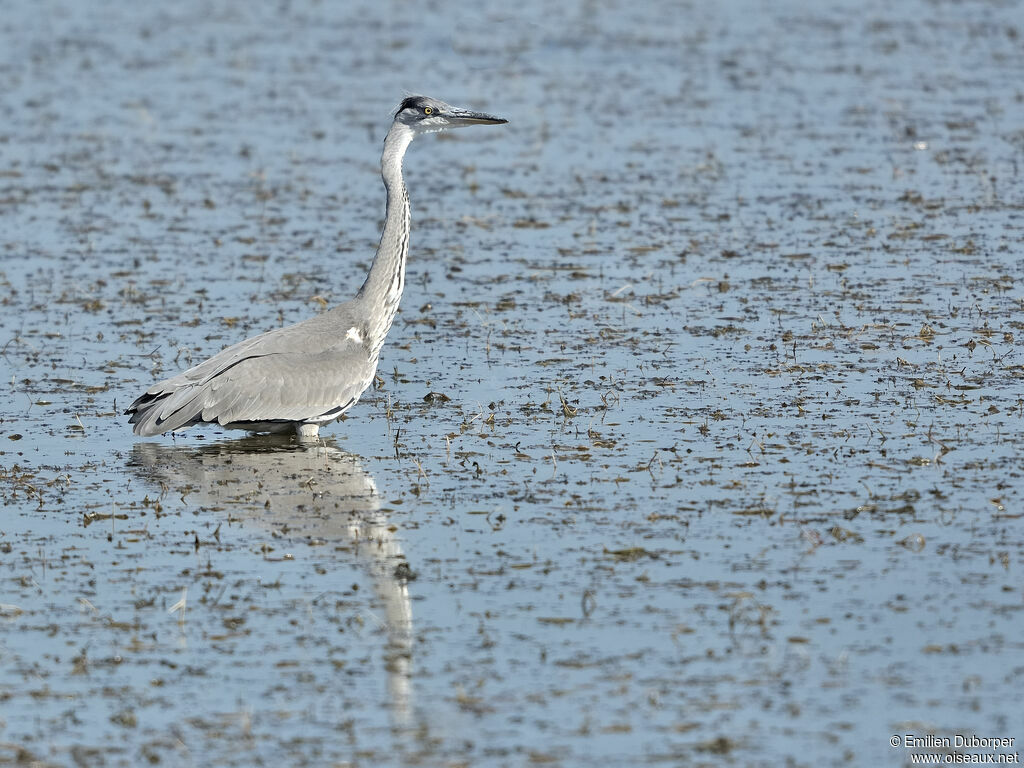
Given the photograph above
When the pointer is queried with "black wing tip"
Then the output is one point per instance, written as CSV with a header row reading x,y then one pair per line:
x,y
139,415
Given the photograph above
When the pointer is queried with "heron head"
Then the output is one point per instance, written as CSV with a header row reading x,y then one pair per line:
x,y
426,115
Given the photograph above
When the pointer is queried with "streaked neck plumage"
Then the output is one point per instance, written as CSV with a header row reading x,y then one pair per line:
x,y
383,287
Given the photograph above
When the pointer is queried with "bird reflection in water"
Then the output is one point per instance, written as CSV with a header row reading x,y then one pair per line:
x,y
308,491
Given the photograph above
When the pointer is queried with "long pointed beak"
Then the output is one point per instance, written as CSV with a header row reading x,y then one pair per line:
x,y
459,117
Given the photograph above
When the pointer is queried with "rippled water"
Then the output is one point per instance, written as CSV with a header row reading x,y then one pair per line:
x,y
728,319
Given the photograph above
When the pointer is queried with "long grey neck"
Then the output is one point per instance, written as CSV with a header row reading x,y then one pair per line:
x,y
383,287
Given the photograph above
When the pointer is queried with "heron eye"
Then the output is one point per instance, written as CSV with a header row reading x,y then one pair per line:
x,y
428,110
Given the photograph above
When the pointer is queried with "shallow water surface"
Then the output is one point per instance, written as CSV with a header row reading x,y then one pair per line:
x,y
697,440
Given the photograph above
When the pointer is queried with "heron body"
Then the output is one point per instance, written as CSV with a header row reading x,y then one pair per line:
x,y
303,376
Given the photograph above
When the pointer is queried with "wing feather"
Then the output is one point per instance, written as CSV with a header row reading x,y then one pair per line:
x,y
297,373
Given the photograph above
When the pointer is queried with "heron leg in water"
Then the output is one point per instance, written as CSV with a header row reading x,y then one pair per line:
x,y
307,431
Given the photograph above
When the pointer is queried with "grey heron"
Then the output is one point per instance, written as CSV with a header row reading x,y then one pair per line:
x,y
303,376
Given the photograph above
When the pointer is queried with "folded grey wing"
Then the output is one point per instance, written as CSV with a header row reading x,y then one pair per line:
x,y
277,340
260,386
